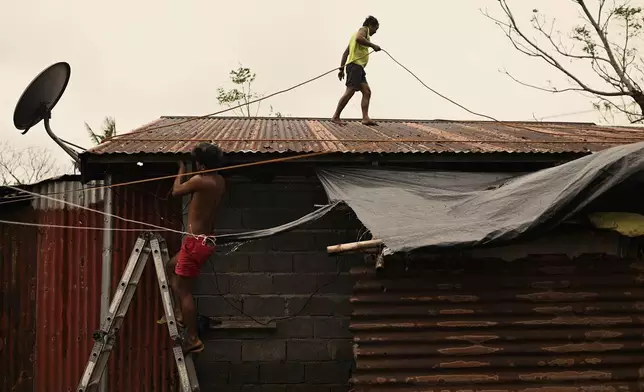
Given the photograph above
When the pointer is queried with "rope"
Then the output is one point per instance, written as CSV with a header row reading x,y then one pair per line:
x,y
99,187
10,199
45,225
161,228
235,107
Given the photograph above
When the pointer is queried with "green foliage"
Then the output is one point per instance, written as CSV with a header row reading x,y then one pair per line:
x,y
242,94
108,130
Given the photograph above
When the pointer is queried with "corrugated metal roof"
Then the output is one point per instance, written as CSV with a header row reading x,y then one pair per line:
x,y
280,135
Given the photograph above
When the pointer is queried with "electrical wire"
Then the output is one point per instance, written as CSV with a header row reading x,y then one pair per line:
x,y
271,320
437,93
100,212
463,107
172,176
73,145
566,114
301,156
159,228
45,225
235,107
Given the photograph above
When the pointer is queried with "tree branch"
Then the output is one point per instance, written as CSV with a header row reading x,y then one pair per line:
x,y
539,26
607,48
541,53
548,90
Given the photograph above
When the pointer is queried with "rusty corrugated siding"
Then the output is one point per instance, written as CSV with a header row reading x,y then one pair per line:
x,y
280,135
18,263
143,359
69,285
51,288
541,324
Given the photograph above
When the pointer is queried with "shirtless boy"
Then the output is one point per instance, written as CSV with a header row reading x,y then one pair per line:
x,y
206,190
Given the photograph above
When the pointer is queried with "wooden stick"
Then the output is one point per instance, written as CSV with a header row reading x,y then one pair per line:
x,y
353,246
380,262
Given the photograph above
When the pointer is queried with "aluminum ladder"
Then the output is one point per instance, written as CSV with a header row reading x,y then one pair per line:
x,y
146,244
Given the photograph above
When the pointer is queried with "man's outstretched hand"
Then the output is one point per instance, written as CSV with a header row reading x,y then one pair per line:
x,y
376,48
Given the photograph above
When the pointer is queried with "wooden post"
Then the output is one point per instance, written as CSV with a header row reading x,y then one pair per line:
x,y
341,248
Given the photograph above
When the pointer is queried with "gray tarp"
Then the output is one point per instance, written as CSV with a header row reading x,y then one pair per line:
x,y
410,210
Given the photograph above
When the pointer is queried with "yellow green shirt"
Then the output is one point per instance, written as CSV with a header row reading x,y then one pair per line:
x,y
358,54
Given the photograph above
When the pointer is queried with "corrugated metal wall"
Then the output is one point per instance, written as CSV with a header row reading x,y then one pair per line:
x,y
69,284
545,323
18,260
50,281
143,360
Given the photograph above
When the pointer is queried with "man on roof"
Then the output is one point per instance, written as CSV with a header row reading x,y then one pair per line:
x,y
355,59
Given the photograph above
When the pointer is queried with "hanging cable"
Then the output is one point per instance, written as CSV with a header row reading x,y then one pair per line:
x,y
46,225
309,155
99,212
235,107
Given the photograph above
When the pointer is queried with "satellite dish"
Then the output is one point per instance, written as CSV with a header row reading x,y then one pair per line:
x,y
38,100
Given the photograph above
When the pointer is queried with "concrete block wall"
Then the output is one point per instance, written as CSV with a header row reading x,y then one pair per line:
x,y
309,351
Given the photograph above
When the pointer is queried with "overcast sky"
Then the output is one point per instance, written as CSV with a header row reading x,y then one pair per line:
x,y
139,60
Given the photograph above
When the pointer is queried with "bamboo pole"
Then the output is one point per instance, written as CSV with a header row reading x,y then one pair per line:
x,y
352,246
380,262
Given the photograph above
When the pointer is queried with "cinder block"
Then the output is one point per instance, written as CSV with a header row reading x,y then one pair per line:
x,y
271,262
229,263
209,373
308,388
335,284
314,262
244,374
211,284
332,327
217,306
299,327
250,283
264,306
318,306
294,283
341,349
328,372
261,218
263,388
281,373
307,350
293,242
263,350
222,351
219,387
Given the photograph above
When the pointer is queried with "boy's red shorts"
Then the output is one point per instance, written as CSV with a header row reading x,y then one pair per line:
x,y
193,254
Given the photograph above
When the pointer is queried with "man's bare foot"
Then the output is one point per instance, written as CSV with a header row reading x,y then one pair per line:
x,y
177,318
337,121
193,345
368,121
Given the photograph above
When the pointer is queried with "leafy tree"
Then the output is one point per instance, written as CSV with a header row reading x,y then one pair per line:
x,y
107,131
242,94
607,41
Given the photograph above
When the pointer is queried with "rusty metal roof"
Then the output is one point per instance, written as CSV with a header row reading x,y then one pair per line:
x,y
300,135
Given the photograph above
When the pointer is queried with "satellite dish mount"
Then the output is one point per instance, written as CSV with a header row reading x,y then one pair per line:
x,y
40,98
